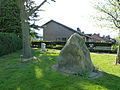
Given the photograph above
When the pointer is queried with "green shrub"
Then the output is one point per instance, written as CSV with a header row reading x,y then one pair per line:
x,y
114,48
9,43
59,47
99,43
96,46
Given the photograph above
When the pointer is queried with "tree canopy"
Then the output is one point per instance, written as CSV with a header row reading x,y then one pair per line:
x,y
26,10
111,11
14,18
9,17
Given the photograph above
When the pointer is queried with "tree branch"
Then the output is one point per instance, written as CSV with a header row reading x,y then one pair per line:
x,y
116,25
108,13
32,11
115,20
111,2
116,14
118,2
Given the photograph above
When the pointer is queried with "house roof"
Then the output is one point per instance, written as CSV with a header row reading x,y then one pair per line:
x,y
98,37
80,33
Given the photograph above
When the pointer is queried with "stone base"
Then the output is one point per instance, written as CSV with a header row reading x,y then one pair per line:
x,y
95,74
92,75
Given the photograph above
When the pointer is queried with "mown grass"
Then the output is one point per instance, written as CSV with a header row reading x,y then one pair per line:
x,y
38,75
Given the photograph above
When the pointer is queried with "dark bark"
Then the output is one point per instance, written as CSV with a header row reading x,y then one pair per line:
x,y
25,26
118,52
118,55
26,41
25,32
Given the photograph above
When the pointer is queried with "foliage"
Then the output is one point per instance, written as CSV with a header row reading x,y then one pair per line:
x,y
9,43
38,75
108,13
96,46
64,42
27,9
117,40
114,48
10,17
111,8
59,47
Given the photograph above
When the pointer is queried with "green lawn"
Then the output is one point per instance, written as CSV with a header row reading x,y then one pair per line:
x,y
38,75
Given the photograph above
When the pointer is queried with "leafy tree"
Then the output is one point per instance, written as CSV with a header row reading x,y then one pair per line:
x,y
26,10
111,13
9,17
13,18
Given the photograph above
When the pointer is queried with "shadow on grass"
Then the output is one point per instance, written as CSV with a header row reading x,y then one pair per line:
x,y
38,75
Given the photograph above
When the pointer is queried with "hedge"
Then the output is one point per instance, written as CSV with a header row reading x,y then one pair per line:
x,y
88,44
9,43
92,46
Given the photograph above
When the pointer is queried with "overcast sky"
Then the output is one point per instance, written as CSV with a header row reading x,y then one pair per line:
x,y
72,13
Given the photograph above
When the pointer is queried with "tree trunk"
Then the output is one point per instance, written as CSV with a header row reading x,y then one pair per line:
x,y
25,26
26,41
25,32
118,55
118,51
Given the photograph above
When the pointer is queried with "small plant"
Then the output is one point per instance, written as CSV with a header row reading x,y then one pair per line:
x,y
83,74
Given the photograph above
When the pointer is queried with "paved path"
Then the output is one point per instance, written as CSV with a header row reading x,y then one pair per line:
x,y
103,53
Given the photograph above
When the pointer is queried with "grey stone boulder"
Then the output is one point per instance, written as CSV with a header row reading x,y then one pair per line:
x,y
75,57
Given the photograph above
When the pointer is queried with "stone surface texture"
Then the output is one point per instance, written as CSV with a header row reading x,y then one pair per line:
x,y
43,47
75,57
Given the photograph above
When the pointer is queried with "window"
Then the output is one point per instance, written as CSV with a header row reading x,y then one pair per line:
x,y
63,39
58,39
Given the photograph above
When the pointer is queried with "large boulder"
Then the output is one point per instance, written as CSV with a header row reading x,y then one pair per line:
x,y
75,57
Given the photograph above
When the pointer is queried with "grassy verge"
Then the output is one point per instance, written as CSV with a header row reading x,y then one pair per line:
x,y
38,75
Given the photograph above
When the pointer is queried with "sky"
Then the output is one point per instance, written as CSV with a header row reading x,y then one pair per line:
x,y
74,14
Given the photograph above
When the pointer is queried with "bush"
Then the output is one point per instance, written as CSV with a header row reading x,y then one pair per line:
x,y
92,46
9,43
114,48
99,44
59,47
